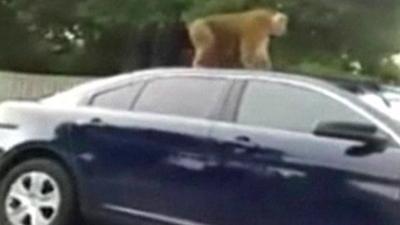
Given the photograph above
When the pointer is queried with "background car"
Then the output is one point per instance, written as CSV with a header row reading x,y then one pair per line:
x,y
199,147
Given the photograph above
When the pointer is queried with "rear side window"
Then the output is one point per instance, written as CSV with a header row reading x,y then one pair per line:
x,y
189,97
120,98
287,107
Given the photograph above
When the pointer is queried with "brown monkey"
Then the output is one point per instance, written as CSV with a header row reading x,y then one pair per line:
x,y
237,40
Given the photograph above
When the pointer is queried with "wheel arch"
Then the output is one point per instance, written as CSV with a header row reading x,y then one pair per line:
x,y
30,151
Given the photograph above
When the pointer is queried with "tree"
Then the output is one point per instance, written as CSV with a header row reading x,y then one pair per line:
x,y
104,37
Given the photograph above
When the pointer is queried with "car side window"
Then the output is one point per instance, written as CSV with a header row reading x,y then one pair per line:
x,y
120,98
183,96
291,108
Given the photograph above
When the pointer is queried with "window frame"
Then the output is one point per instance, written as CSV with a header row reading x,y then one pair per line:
x,y
111,88
217,111
246,83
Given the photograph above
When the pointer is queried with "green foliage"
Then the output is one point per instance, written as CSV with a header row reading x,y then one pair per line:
x,y
135,12
103,36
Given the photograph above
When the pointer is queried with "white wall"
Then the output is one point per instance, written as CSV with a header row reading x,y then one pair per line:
x,y
27,86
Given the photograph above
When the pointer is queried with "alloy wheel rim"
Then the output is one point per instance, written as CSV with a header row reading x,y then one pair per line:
x,y
33,199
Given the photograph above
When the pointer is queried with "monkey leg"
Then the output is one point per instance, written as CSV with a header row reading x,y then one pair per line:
x,y
255,54
203,40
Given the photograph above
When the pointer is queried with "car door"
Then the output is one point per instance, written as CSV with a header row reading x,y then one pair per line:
x,y
102,110
282,173
154,162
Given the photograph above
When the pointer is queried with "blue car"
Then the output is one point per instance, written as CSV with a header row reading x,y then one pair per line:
x,y
200,147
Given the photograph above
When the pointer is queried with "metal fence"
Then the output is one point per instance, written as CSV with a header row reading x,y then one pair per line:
x,y
28,86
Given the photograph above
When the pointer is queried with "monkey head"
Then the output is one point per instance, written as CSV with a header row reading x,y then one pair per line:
x,y
279,24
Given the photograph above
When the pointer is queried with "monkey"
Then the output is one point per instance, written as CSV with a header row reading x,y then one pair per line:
x,y
236,40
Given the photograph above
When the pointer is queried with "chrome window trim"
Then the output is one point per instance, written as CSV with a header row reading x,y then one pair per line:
x,y
260,76
302,84
381,125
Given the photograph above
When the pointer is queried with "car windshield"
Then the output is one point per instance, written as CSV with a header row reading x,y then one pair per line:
x,y
70,96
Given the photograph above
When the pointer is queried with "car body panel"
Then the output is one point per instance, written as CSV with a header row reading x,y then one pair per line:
x,y
159,169
315,173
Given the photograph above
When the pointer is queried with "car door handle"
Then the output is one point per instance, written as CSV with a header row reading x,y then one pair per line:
x,y
91,122
245,142
243,139
244,145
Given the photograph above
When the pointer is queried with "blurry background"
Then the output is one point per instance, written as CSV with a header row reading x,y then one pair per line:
x,y
103,37
19,86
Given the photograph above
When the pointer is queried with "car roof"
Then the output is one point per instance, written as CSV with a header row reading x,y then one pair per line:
x,y
352,85
218,73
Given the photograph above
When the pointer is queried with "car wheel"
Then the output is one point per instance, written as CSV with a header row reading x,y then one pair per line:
x,y
37,192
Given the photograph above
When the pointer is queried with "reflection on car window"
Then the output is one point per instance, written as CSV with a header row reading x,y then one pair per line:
x,y
118,99
290,108
189,97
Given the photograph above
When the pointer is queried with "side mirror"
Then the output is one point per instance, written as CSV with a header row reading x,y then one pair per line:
x,y
365,133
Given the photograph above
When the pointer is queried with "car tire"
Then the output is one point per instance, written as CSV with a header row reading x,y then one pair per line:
x,y
38,192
